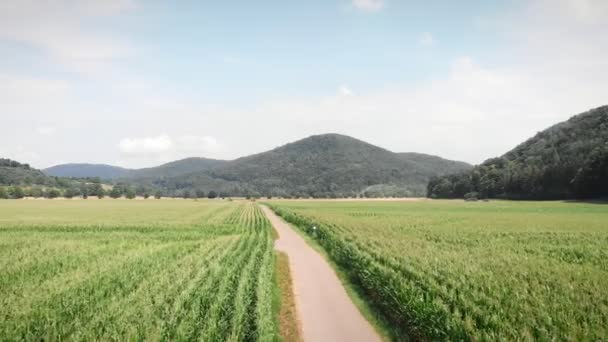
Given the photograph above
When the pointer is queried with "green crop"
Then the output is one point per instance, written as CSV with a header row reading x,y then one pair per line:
x,y
133,270
453,270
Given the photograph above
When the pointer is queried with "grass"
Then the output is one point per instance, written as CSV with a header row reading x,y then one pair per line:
x,y
132,270
289,328
482,271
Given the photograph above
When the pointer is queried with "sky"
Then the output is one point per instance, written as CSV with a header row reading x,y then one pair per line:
x,y
138,83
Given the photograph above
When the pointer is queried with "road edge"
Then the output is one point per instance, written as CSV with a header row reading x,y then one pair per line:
x,y
379,326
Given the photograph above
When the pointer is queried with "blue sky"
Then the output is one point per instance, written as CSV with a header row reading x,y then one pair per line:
x,y
138,83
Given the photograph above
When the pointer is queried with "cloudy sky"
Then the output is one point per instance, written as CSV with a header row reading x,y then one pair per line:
x,y
138,83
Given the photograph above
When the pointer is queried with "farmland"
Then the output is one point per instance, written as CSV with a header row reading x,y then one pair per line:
x,y
470,270
125,270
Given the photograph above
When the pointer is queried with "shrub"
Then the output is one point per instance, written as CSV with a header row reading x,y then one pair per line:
x,y
471,196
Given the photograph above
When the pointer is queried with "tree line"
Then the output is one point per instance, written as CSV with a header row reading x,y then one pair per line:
x,y
568,160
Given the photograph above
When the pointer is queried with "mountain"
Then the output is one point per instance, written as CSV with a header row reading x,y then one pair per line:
x,y
110,172
320,166
176,168
87,170
434,164
15,173
567,160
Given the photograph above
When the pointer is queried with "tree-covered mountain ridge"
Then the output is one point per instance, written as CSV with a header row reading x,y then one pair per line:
x,y
566,160
323,165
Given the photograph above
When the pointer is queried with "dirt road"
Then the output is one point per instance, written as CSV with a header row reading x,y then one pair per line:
x,y
325,310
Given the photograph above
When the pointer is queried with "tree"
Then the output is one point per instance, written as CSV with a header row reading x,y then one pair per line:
x,y
200,193
52,193
140,190
116,192
158,194
186,194
146,195
591,179
96,189
130,193
68,193
101,193
17,192
212,194
3,193
36,192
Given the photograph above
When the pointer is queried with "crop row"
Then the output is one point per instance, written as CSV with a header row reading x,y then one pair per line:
x,y
467,274
210,278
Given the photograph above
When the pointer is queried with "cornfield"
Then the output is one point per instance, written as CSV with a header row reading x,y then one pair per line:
x,y
119,270
453,270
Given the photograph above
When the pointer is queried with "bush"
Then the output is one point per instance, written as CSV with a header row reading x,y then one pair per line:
x,y
17,192
115,192
36,192
68,193
130,194
52,193
471,196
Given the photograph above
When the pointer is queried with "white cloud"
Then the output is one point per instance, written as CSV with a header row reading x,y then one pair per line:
x,y
201,144
472,114
551,63
45,130
426,39
345,91
59,28
21,95
163,148
146,146
368,5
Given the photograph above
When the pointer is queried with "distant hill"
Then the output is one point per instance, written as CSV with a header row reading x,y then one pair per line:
x,y
176,168
103,171
87,170
321,166
567,160
16,173
433,164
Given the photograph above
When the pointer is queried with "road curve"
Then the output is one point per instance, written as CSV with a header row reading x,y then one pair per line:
x,y
324,309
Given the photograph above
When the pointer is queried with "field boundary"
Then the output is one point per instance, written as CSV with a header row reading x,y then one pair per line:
x,y
290,327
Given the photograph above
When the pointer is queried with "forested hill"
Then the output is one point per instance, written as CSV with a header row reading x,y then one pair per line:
x,y
16,173
323,166
109,172
328,165
567,160
18,180
176,168
87,170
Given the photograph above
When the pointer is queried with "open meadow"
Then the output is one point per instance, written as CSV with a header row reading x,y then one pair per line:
x,y
133,270
457,270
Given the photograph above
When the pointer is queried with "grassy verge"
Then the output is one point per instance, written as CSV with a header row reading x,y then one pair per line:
x,y
379,324
289,328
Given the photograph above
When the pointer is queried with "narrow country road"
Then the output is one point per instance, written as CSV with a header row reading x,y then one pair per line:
x,y
324,309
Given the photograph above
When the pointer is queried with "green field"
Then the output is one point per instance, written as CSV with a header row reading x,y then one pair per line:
x,y
125,270
470,270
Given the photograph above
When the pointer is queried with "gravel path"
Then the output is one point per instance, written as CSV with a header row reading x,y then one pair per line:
x,y
324,309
